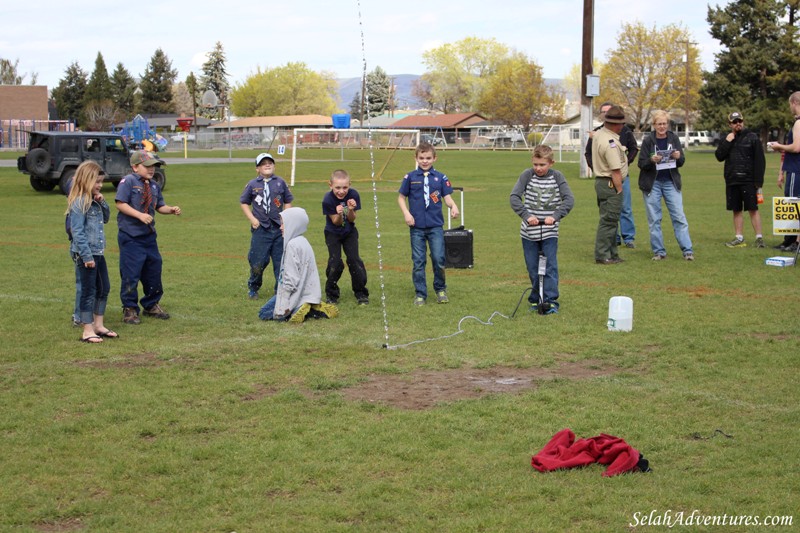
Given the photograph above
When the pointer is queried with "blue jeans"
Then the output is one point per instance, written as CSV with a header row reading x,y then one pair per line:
x,y
94,288
531,251
267,311
674,200
627,230
434,238
265,244
139,260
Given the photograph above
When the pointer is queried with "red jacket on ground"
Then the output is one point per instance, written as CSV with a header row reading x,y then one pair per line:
x,y
563,451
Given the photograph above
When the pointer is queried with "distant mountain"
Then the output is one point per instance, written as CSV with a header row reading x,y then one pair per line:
x,y
403,83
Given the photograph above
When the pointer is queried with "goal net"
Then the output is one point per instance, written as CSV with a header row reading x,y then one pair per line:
x,y
333,145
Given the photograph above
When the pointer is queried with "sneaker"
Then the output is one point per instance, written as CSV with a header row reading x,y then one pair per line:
x,y
332,301
323,310
736,243
551,309
630,244
791,248
363,300
659,257
419,300
76,323
689,257
156,312
760,242
441,297
253,295
130,315
300,315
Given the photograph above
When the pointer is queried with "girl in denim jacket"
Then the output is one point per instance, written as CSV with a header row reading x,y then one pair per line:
x,y
88,211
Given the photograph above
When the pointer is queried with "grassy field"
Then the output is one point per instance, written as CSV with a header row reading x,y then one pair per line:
x,y
216,421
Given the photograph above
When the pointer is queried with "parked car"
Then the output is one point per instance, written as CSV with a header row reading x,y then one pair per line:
x,y
178,137
54,156
428,138
697,138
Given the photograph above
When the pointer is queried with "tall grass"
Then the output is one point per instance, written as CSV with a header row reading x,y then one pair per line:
x,y
216,421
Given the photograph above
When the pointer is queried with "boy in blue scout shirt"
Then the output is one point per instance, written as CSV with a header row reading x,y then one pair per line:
x,y
138,198
425,189
263,199
339,205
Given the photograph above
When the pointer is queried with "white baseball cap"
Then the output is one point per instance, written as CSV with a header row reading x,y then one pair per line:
x,y
261,157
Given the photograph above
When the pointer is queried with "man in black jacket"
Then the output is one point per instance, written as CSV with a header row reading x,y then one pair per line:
x,y
744,160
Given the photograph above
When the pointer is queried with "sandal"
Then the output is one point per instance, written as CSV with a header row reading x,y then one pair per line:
x,y
94,339
108,334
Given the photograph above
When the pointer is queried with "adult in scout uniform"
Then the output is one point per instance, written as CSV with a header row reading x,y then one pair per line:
x,y
610,164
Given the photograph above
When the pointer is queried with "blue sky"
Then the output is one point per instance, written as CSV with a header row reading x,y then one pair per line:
x,y
47,35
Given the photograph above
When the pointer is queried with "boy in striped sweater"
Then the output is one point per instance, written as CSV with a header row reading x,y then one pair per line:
x,y
541,198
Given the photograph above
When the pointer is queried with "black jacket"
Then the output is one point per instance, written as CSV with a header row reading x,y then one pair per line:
x,y
648,173
744,159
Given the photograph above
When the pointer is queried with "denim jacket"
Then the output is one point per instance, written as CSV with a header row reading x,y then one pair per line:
x,y
88,238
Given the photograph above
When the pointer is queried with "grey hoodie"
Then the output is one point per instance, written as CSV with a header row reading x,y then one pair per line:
x,y
298,283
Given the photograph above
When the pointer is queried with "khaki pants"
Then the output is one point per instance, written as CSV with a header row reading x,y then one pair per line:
x,y
610,203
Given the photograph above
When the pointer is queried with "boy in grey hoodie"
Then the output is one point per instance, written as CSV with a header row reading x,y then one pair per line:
x,y
299,294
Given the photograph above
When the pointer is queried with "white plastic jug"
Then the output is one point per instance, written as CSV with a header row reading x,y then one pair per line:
x,y
620,314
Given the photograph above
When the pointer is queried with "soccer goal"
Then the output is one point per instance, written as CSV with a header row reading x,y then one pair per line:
x,y
344,140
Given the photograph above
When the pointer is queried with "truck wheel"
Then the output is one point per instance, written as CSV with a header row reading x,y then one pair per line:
x,y
160,178
64,182
38,162
42,185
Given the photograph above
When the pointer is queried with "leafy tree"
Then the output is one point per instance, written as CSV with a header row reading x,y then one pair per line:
x,y
516,93
182,99
99,86
378,87
421,90
458,71
647,71
289,90
757,67
100,115
122,87
68,94
9,73
157,83
215,77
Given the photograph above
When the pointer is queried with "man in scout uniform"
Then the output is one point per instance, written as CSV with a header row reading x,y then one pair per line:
x,y
610,164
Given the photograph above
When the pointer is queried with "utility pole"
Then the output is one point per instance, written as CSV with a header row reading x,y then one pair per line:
x,y
586,69
688,44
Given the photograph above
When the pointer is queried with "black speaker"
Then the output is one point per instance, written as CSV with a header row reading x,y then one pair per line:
x,y
458,245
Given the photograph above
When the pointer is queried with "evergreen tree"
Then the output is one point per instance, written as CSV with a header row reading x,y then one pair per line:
x,y
69,92
191,86
355,106
156,85
757,68
215,78
99,86
378,87
122,87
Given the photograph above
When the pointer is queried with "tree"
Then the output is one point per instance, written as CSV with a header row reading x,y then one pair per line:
x,y
516,93
100,115
122,87
757,67
9,73
421,90
157,83
99,86
215,77
355,106
182,99
458,71
647,71
289,90
378,96
68,94
191,86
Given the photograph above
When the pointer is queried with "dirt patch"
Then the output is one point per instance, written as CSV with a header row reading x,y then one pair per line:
x,y
424,389
131,360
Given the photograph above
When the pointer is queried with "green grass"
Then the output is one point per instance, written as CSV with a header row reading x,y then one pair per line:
x,y
216,421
